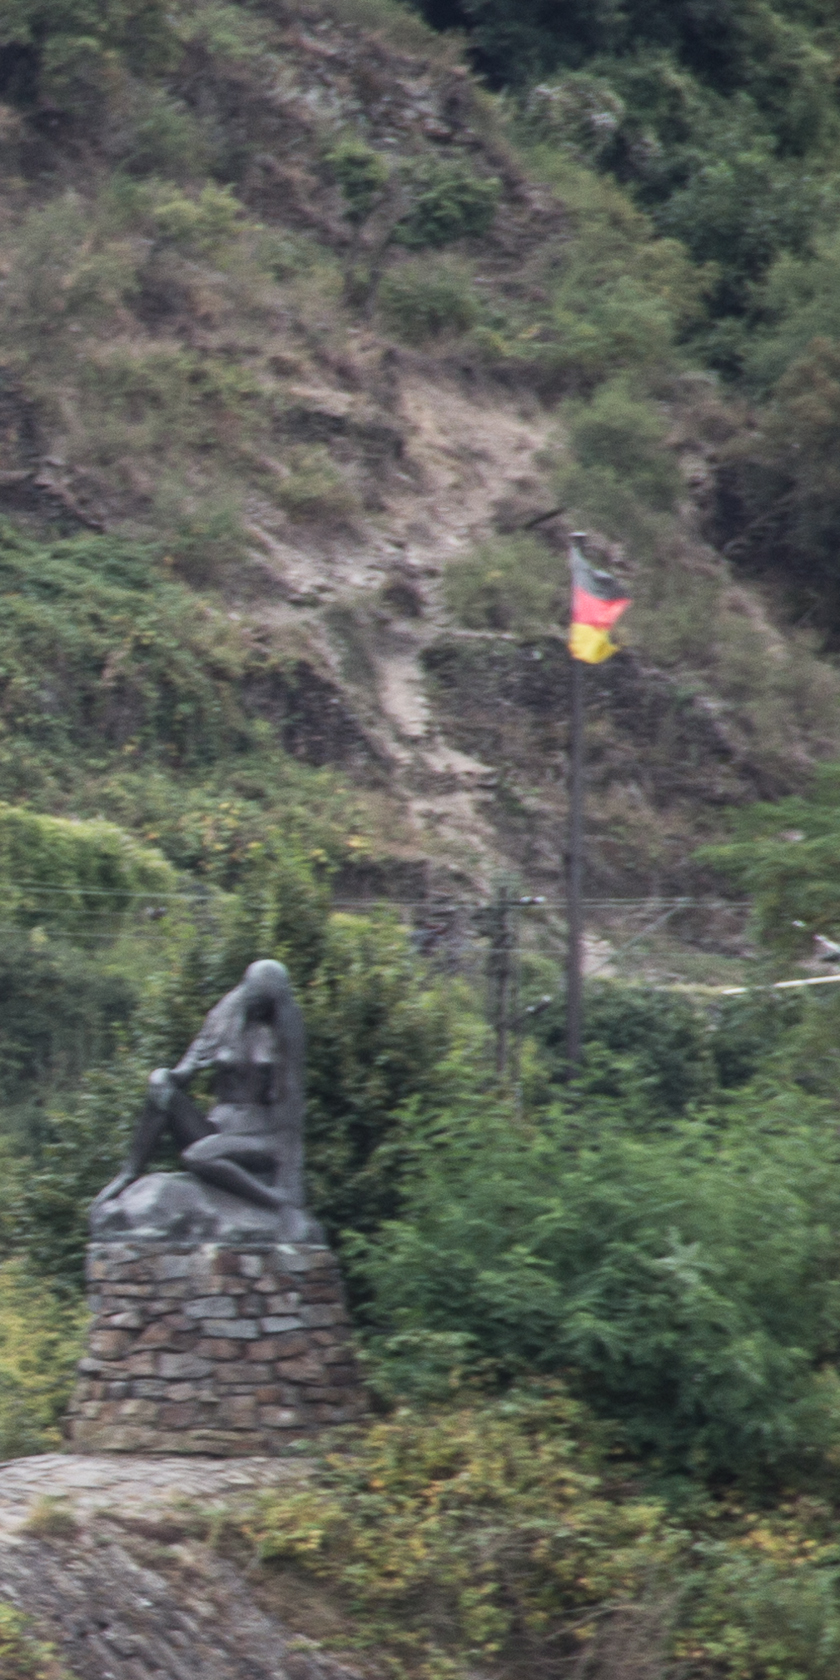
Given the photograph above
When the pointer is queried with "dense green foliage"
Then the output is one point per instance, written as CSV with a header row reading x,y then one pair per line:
x,y
516,1533
686,1274
786,856
40,1338
473,1535
709,116
723,123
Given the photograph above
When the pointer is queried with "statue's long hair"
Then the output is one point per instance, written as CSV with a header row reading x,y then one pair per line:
x,y
222,1035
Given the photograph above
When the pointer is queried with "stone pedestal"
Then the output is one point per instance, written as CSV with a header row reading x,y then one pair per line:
x,y
212,1348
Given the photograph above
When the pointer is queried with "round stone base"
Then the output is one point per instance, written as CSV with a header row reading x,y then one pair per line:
x,y
200,1348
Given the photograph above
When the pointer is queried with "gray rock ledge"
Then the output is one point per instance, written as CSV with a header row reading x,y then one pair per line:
x,y
177,1206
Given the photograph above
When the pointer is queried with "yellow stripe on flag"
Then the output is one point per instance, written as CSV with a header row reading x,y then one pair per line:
x,y
585,642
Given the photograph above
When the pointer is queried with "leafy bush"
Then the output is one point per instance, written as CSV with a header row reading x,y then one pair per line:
x,y
723,128
100,647
313,487
206,538
160,400
797,304
58,871
446,203
513,1533
580,111
423,300
786,855
649,1050
766,1602
685,1279
61,276
625,435
40,1343
156,134
470,1535
513,584
379,1037
361,174
621,296
60,1012
118,697
67,48
739,210
780,492
199,224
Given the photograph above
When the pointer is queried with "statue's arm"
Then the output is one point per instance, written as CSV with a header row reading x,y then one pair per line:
x,y
152,1119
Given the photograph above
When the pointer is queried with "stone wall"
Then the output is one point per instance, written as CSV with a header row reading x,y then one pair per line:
x,y
201,1348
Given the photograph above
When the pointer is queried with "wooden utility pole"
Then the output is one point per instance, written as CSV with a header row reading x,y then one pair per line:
x,y
574,877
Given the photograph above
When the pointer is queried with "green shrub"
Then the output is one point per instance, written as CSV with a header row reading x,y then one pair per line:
x,y
206,538
724,128
514,584
469,1536
157,134
283,254
61,1011
685,1277
100,647
61,275
119,697
764,1605
313,487
649,1051
446,203
740,209
40,1343
425,300
380,1036
59,871
162,400
621,325
74,45
797,303
779,489
513,1533
786,855
360,172
580,111
624,435
200,224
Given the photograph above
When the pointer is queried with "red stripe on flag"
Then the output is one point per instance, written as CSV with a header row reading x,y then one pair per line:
x,y
590,609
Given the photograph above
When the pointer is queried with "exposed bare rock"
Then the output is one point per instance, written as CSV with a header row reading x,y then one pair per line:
x,y
122,1589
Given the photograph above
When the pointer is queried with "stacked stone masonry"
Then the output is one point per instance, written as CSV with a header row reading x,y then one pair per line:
x,y
208,1349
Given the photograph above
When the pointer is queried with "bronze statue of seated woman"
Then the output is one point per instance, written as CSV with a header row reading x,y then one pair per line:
x,y
250,1144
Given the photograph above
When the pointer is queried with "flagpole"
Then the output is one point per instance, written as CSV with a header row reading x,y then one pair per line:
x,y
574,877
597,602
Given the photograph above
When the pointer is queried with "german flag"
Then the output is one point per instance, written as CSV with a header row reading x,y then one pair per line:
x,y
597,601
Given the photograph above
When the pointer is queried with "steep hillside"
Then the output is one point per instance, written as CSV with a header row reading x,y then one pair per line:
x,y
286,309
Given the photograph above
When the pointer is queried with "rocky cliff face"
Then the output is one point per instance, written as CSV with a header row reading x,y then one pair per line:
x,y
105,1563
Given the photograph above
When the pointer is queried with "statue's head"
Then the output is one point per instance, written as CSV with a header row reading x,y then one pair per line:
x,y
265,988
